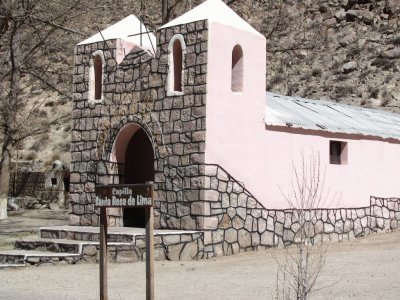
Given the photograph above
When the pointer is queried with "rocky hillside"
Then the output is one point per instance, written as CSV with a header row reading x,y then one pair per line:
x,y
342,50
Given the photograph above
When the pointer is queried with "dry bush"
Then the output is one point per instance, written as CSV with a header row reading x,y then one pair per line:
x,y
383,63
36,146
301,266
31,155
67,128
64,145
44,137
55,156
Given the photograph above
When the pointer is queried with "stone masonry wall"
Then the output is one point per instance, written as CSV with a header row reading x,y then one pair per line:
x,y
237,222
135,92
27,184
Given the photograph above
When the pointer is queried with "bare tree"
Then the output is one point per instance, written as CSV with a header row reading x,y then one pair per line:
x,y
301,267
172,8
29,31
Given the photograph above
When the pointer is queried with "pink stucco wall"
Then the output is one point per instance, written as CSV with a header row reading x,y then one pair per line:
x,y
238,140
370,171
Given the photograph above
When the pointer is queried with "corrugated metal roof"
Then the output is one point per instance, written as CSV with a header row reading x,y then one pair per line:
x,y
328,116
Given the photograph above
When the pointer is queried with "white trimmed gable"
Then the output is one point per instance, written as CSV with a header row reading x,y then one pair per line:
x,y
215,11
127,30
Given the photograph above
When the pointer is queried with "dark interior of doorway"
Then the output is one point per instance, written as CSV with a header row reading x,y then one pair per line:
x,y
139,168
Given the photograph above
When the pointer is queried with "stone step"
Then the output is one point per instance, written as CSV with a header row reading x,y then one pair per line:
x,y
11,258
38,251
52,245
60,245
10,266
74,243
82,233
114,234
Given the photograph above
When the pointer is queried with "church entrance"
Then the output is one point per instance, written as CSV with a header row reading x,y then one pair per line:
x,y
136,166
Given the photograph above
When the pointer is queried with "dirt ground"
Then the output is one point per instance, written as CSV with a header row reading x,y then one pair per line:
x,y
26,223
367,268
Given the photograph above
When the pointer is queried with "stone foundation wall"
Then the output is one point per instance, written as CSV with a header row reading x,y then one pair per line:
x,y
237,222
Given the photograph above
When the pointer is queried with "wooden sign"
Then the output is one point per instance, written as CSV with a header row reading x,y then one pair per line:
x,y
123,195
126,195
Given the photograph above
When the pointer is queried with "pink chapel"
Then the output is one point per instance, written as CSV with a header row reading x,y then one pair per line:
x,y
186,107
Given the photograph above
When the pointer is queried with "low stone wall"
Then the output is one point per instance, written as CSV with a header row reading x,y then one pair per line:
x,y
27,184
35,190
237,222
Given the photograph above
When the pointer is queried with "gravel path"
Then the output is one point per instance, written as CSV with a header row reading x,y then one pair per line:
x,y
368,268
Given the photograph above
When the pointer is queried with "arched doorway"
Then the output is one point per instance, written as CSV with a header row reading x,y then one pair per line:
x,y
139,168
133,151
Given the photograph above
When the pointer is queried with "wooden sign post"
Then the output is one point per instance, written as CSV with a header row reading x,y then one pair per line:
x,y
150,250
103,254
126,195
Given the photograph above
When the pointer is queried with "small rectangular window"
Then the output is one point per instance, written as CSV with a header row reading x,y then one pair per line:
x,y
53,181
337,153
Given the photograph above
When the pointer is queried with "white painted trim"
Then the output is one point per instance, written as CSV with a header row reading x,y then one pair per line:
x,y
170,79
91,91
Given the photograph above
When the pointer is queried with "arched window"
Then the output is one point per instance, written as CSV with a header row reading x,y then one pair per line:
x,y
96,76
176,52
237,69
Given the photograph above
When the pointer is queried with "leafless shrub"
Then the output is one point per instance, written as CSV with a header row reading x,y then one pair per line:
x,y
383,63
373,92
386,97
43,138
277,80
353,52
344,90
342,77
67,128
395,41
49,103
31,155
302,265
36,146
363,102
64,145
55,156
316,72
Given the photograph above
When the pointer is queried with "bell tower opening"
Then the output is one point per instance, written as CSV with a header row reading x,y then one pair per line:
x,y
137,168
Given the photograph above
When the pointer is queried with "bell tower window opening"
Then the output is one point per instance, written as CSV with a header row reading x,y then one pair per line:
x,y
237,69
177,54
98,77
176,57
